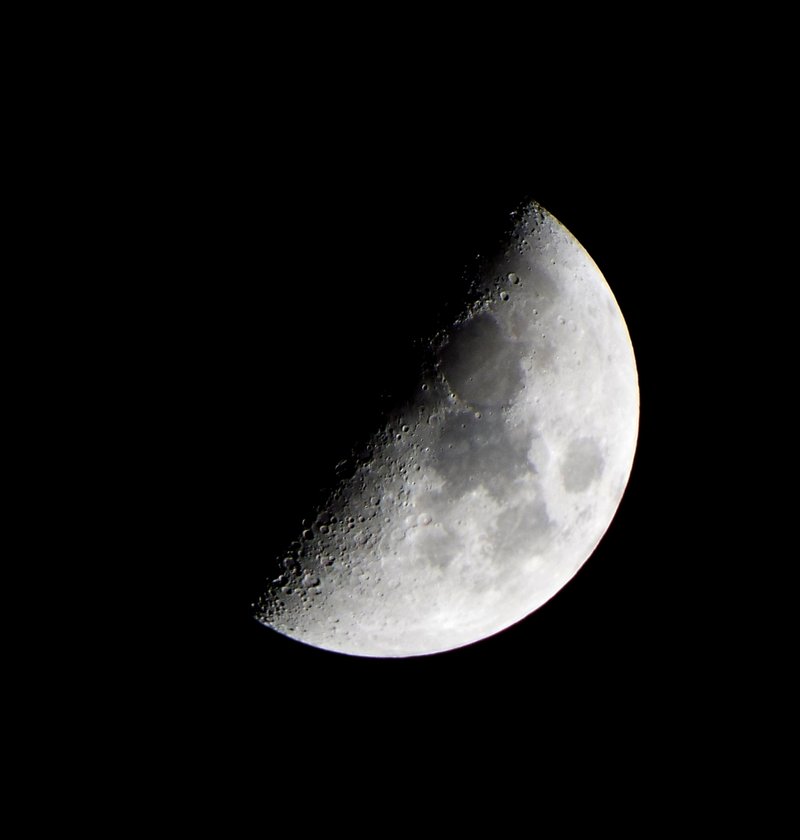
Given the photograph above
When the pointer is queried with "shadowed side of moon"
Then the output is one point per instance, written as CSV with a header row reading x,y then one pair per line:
x,y
484,496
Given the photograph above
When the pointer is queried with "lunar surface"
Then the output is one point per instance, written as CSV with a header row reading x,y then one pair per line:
x,y
483,497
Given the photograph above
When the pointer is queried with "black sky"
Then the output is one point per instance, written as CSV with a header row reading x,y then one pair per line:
x,y
319,269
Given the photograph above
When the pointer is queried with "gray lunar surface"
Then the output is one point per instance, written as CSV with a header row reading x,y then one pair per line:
x,y
487,494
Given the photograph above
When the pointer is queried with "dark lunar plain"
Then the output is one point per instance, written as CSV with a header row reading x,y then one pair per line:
x,y
322,268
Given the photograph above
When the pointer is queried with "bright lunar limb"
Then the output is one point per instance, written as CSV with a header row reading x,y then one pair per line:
x,y
484,497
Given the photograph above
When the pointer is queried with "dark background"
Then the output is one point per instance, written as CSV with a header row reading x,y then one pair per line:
x,y
315,268
288,226
325,281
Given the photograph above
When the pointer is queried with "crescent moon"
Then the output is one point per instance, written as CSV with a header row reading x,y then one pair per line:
x,y
480,500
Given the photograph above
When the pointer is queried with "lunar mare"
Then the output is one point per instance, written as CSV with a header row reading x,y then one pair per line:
x,y
483,498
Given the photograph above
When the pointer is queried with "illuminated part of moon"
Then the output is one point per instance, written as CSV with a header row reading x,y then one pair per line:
x,y
484,497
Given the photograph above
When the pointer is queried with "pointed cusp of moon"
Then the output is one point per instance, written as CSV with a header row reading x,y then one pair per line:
x,y
489,493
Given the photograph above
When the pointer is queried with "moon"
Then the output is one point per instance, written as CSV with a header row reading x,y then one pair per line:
x,y
483,496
